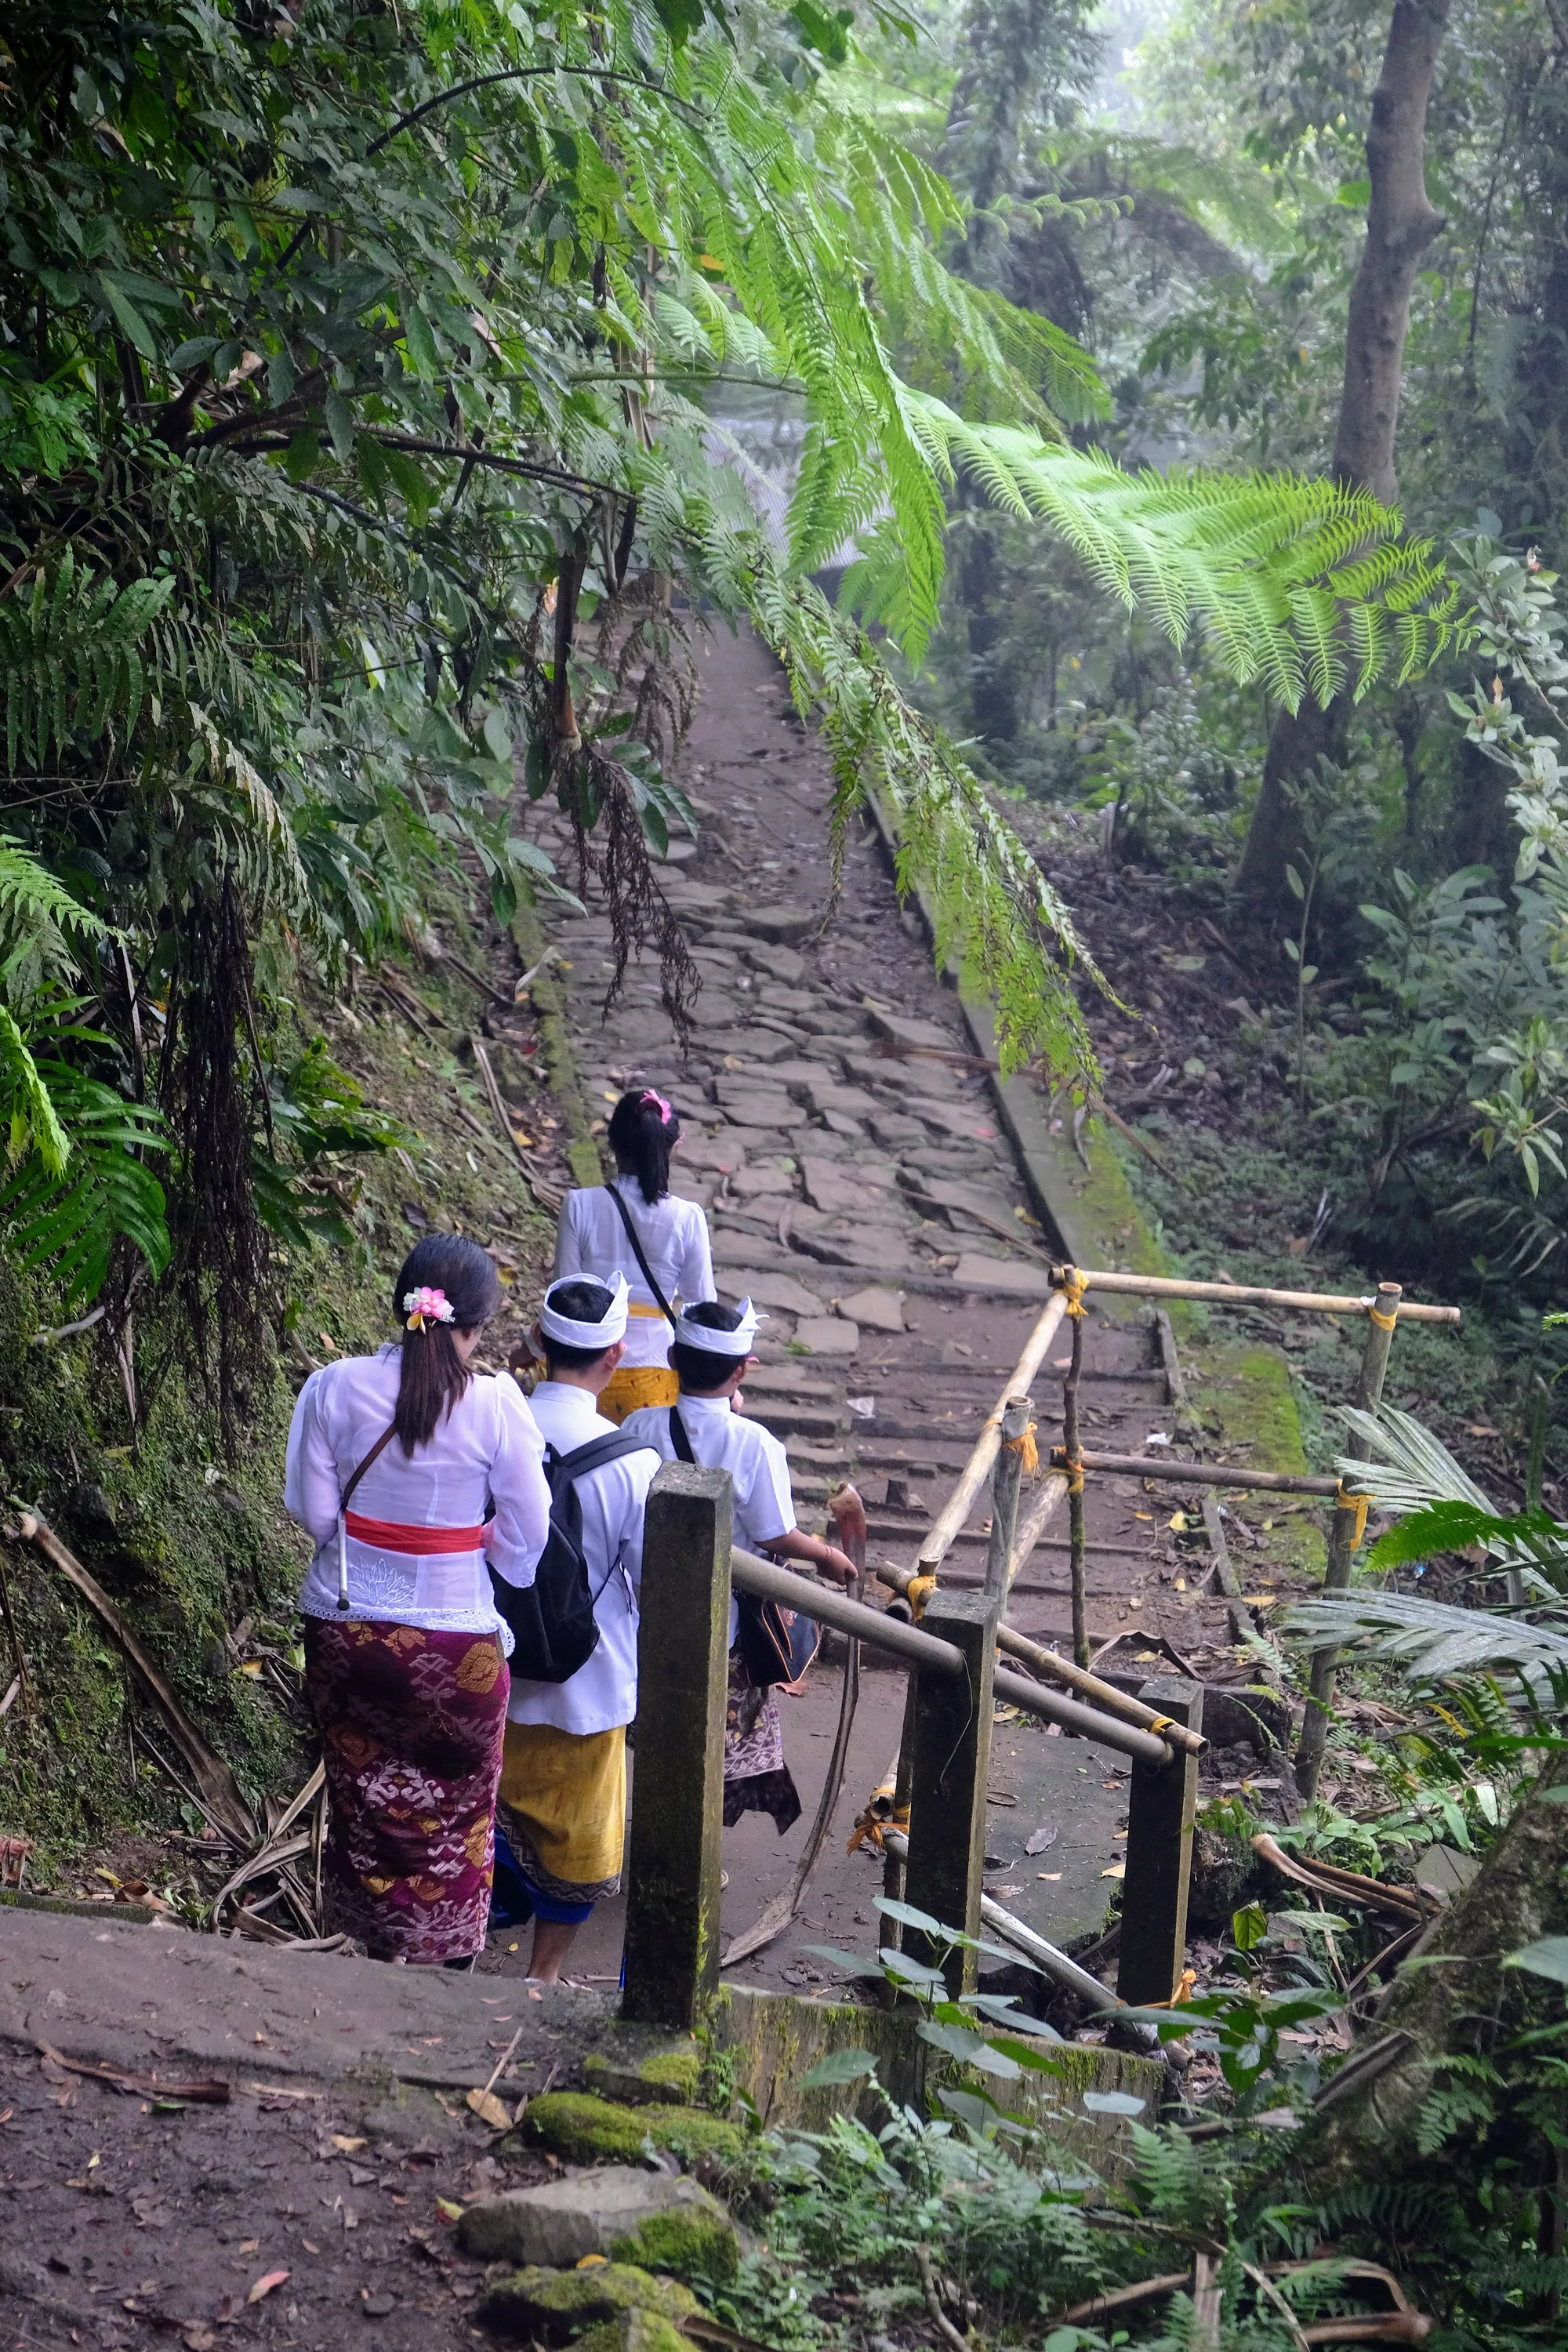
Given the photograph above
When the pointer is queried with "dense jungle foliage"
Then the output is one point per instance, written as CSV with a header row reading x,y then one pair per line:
x,y
1186,188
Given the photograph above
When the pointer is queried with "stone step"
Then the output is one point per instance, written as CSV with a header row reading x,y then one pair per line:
x,y
788,1420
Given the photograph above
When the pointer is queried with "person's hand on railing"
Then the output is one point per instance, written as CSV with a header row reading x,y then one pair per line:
x,y
836,1565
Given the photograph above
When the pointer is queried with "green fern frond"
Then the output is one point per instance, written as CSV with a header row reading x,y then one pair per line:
x,y
69,659
68,1216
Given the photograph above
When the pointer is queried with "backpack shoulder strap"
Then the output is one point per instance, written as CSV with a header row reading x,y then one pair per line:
x,y
665,1309
677,1437
597,1452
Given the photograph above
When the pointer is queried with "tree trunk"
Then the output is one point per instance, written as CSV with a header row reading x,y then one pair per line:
x,y
1469,2004
1400,225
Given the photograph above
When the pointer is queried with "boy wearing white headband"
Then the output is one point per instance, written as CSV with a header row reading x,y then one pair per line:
x,y
562,1807
710,1353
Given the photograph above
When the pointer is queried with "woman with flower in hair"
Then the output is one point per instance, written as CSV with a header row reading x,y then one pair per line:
x,y
414,1474
637,1226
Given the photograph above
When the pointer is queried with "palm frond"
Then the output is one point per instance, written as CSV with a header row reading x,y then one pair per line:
x,y
1431,1641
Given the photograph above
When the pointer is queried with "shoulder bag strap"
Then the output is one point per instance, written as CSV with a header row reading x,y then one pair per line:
x,y
677,1437
381,1443
665,1309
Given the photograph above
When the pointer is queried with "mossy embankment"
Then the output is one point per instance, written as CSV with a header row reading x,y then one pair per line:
x,y
189,1538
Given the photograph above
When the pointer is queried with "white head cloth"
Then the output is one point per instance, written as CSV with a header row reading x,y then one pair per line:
x,y
737,1342
556,1326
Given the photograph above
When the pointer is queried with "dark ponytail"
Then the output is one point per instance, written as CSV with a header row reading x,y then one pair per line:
x,y
433,1375
644,1129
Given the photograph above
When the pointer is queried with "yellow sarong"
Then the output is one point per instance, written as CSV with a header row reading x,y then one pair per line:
x,y
636,1385
562,1805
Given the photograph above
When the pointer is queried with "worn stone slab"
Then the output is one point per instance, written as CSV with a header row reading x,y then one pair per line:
x,y
783,923
851,1102
779,963
827,1335
761,1110
779,1292
719,1152
894,1130
831,1186
976,1272
959,1116
692,898
562,2221
903,1031
763,1045
748,1183
879,1311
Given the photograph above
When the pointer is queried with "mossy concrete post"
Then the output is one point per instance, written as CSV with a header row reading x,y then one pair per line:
x,y
1161,1808
1380,1326
950,1765
678,1790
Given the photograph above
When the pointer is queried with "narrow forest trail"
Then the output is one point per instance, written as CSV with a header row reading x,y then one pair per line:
x,y
832,1177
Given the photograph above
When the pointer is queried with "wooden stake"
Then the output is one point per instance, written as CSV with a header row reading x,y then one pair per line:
x,y
1337,1576
1072,1463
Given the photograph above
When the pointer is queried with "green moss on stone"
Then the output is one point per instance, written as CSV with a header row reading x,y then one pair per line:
x,y
586,2130
687,2243
636,2331
556,2304
659,2078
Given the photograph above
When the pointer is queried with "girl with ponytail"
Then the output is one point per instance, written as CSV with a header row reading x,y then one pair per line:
x,y
413,1472
637,1226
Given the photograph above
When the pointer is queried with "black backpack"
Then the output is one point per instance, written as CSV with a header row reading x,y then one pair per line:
x,y
554,1627
777,1644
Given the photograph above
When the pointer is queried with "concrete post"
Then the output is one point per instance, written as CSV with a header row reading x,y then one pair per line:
x,y
677,1793
950,1765
1324,1668
1161,1807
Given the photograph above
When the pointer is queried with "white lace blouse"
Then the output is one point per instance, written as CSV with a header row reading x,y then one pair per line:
x,y
485,1456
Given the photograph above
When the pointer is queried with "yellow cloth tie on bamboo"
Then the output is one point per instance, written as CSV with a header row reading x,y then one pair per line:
x,y
1383,1322
1026,1448
916,1592
1074,1285
869,1824
1182,1995
1359,1504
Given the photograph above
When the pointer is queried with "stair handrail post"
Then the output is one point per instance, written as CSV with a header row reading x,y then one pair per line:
x,y
1161,1811
672,1931
1343,1540
950,1761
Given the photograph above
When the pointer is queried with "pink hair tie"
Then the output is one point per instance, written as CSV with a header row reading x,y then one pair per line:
x,y
665,1113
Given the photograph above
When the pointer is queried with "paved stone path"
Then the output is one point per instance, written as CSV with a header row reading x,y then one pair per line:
x,y
844,1189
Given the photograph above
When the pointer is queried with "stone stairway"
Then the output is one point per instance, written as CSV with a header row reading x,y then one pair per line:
x,y
856,1183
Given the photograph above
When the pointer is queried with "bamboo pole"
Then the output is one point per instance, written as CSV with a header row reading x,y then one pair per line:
x,y
1182,1473
1072,1677
934,1655
1235,1294
977,1469
1017,1417
1033,1523
1341,1538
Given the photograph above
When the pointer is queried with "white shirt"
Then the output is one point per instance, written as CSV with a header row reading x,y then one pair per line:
x,y
591,1239
488,1445
603,1692
722,1440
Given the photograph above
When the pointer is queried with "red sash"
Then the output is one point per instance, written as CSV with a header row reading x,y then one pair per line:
x,y
389,1535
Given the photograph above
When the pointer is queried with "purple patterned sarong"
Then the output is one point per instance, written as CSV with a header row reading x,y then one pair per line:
x,y
412,1725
